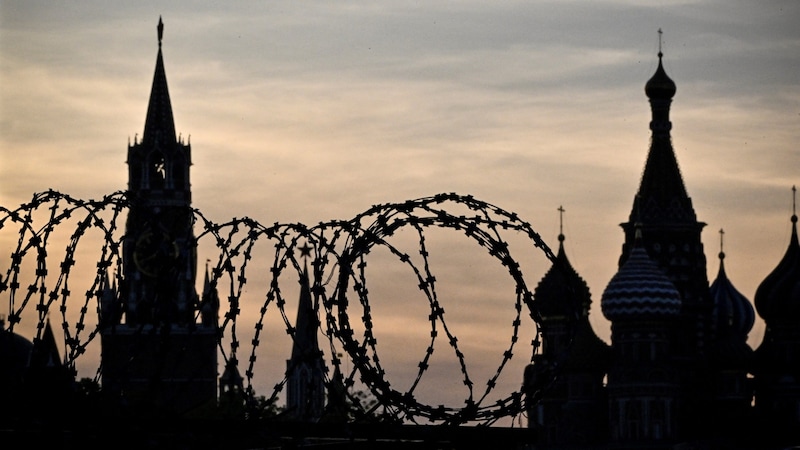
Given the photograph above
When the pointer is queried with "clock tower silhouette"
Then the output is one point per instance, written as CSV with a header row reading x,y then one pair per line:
x,y
155,351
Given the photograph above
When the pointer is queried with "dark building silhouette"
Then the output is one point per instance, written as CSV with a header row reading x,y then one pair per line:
x,y
305,370
15,354
777,369
679,372
155,353
573,405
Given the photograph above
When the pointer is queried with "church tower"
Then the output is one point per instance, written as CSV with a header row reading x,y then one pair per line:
x,y
777,376
305,370
642,305
663,212
154,351
571,409
731,357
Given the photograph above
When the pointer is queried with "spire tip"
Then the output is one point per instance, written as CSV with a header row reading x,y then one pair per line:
x,y
660,53
160,30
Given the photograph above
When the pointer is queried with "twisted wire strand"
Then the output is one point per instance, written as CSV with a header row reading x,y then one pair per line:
x,y
339,258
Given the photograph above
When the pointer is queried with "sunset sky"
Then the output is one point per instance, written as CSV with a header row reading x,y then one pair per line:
x,y
310,111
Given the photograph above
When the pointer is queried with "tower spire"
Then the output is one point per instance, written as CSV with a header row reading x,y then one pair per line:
x,y
160,29
159,273
661,188
159,124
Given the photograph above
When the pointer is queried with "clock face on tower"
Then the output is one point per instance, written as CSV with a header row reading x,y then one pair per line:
x,y
155,252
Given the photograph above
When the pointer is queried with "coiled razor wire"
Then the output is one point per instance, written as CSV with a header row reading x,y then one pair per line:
x,y
338,253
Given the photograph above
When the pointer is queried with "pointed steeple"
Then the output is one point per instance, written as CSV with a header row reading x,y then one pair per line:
x,y
661,189
664,212
159,126
305,370
209,301
45,351
306,323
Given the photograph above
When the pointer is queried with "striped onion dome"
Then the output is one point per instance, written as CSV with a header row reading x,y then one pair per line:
x,y
640,290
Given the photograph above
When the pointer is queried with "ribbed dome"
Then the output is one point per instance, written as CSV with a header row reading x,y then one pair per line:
x,y
777,298
640,290
562,292
660,86
733,315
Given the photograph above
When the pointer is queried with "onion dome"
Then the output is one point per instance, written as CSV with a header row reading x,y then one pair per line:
x,y
562,300
562,293
640,290
777,298
660,86
732,314
732,318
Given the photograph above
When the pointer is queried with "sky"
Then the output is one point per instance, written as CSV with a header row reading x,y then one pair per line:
x,y
313,111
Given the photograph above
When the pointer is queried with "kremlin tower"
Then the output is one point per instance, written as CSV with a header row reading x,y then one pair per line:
x,y
155,353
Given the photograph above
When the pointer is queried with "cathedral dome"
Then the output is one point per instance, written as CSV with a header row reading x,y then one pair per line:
x,y
640,290
777,298
660,86
732,318
562,292
733,315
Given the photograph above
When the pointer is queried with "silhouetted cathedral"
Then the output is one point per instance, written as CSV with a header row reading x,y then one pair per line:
x,y
679,369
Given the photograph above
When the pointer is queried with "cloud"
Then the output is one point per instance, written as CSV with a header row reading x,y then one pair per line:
x,y
302,112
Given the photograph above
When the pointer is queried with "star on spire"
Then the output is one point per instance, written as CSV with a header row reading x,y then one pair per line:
x,y
305,250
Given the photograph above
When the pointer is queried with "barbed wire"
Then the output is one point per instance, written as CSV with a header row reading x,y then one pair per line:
x,y
338,252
